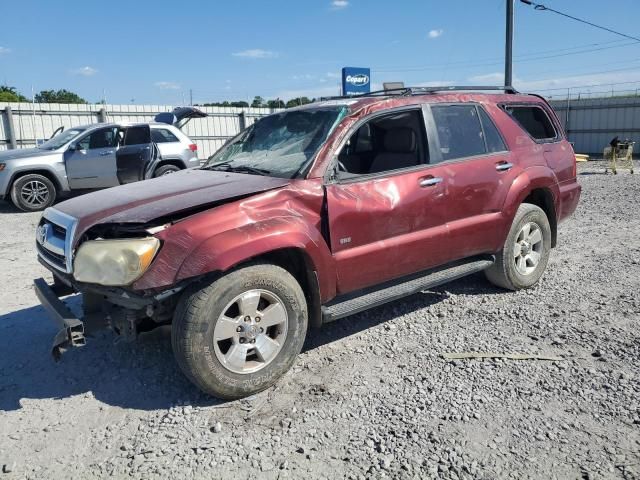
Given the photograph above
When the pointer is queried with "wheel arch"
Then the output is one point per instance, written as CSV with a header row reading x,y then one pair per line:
x,y
170,161
37,171
543,198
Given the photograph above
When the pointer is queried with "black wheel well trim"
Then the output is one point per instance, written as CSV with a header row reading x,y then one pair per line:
x,y
543,198
44,172
298,263
171,161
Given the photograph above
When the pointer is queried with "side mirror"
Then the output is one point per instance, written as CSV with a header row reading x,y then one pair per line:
x,y
72,147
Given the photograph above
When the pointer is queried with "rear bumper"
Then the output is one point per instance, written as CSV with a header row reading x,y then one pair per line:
x,y
569,199
70,328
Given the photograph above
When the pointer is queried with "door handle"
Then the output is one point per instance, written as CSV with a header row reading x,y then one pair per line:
x,y
430,182
502,167
104,154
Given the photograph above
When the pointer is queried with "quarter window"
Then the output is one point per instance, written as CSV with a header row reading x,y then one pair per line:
x,y
161,135
534,120
459,131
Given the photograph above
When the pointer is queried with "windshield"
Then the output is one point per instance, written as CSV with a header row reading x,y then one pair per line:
x,y
280,145
61,139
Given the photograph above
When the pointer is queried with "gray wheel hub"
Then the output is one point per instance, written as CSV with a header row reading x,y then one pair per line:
x,y
251,331
34,193
528,248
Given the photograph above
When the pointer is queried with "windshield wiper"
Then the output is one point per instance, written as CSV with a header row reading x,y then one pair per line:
x,y
227,167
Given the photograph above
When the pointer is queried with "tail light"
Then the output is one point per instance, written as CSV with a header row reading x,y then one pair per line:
x,y
193,147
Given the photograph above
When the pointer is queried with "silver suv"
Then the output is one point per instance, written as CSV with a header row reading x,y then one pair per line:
x,y
97,156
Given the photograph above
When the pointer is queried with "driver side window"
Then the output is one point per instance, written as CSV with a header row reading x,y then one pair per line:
x,y
102,138
389,142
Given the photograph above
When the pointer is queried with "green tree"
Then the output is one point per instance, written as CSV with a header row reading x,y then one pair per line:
x,y
294,102
58,96
275,103
258,101
10,94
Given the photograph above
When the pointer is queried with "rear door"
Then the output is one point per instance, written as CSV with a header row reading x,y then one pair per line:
x,y
135,155
91,162
479,169
387,208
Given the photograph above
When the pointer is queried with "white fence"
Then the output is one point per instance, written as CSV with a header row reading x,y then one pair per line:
x,y
23,124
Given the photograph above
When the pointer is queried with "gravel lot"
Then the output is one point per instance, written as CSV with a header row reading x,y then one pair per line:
x,y
371,396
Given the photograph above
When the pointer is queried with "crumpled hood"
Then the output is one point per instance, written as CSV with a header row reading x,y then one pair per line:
x,y
144,201
24,153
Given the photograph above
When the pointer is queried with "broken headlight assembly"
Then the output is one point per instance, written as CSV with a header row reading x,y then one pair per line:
x,y
114,262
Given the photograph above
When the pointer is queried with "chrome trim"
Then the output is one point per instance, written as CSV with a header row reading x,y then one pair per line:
x,y
430,182
501,167
70,224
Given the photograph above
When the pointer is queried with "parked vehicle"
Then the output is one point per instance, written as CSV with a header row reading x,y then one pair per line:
x,y
311,215
97,156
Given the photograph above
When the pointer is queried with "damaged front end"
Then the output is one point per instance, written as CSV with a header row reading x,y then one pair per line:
x,y
126,313
107,305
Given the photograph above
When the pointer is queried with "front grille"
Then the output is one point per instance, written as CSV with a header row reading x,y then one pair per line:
x,y
54,238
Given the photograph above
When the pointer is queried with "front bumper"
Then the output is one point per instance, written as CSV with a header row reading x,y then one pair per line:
x,y
71,329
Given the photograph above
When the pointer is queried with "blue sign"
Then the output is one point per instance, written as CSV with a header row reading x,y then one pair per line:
x,y
356,80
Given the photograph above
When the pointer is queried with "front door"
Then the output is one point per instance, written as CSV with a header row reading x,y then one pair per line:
x,y
387,209
91,161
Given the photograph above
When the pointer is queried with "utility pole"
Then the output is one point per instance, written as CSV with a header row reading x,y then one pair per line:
x,y
191,97
508,50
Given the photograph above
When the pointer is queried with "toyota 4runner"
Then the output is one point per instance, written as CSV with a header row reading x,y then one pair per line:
x,y
311,215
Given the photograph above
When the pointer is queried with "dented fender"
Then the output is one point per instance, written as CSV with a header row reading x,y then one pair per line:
x,y
225,236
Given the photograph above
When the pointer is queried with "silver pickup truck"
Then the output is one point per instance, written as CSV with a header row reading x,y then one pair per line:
x,y
97,156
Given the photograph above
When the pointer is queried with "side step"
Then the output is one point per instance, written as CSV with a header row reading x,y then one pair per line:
x,y
390,291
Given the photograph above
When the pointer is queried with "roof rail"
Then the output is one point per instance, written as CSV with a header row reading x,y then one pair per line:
x,y
407,91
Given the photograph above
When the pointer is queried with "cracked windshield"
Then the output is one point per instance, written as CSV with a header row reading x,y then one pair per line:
x,y
280,145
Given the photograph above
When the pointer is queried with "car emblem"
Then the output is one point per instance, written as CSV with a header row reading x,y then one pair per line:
x,y
42,233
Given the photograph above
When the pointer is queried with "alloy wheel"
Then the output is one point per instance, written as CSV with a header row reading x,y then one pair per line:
x,y
35,193
528,248
251,331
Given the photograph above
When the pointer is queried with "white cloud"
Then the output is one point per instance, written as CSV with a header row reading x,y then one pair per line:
x,y
84,71
255,53
435,33
496,78
339,4
333,75
167,85
4,50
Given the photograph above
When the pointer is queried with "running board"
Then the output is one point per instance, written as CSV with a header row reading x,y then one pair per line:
x,y
389,292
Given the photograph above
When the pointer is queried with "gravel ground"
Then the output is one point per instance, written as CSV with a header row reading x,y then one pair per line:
x,y
371,396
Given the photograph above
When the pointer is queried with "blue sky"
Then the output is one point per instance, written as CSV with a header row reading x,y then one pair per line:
x,y
155,52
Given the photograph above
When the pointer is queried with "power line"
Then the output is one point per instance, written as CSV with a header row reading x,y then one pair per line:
x,y
540,7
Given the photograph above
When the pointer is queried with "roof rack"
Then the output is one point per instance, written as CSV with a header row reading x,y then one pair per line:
x,y
407,91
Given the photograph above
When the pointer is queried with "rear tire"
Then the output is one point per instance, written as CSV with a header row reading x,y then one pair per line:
x,y
33,192
166,170
525,254
219,331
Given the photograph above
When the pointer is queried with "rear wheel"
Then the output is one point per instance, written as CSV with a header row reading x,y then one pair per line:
x,y
33,192
525,254
166,170
237,335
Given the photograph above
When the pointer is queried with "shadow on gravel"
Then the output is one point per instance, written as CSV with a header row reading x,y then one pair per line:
x,y
143,375
345,327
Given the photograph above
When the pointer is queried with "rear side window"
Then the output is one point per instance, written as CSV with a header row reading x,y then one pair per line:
x,y
161,135
459,131
534,120
491,135
137,136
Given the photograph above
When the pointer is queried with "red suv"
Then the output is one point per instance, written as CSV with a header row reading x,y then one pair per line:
x,y
310,215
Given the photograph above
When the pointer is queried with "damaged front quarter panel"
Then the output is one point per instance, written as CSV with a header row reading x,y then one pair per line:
x,y
218,239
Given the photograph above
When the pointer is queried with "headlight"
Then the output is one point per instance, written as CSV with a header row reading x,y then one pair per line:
x,y
114,262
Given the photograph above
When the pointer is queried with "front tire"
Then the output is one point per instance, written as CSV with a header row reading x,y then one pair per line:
x,y
525,254
239,334
33,193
